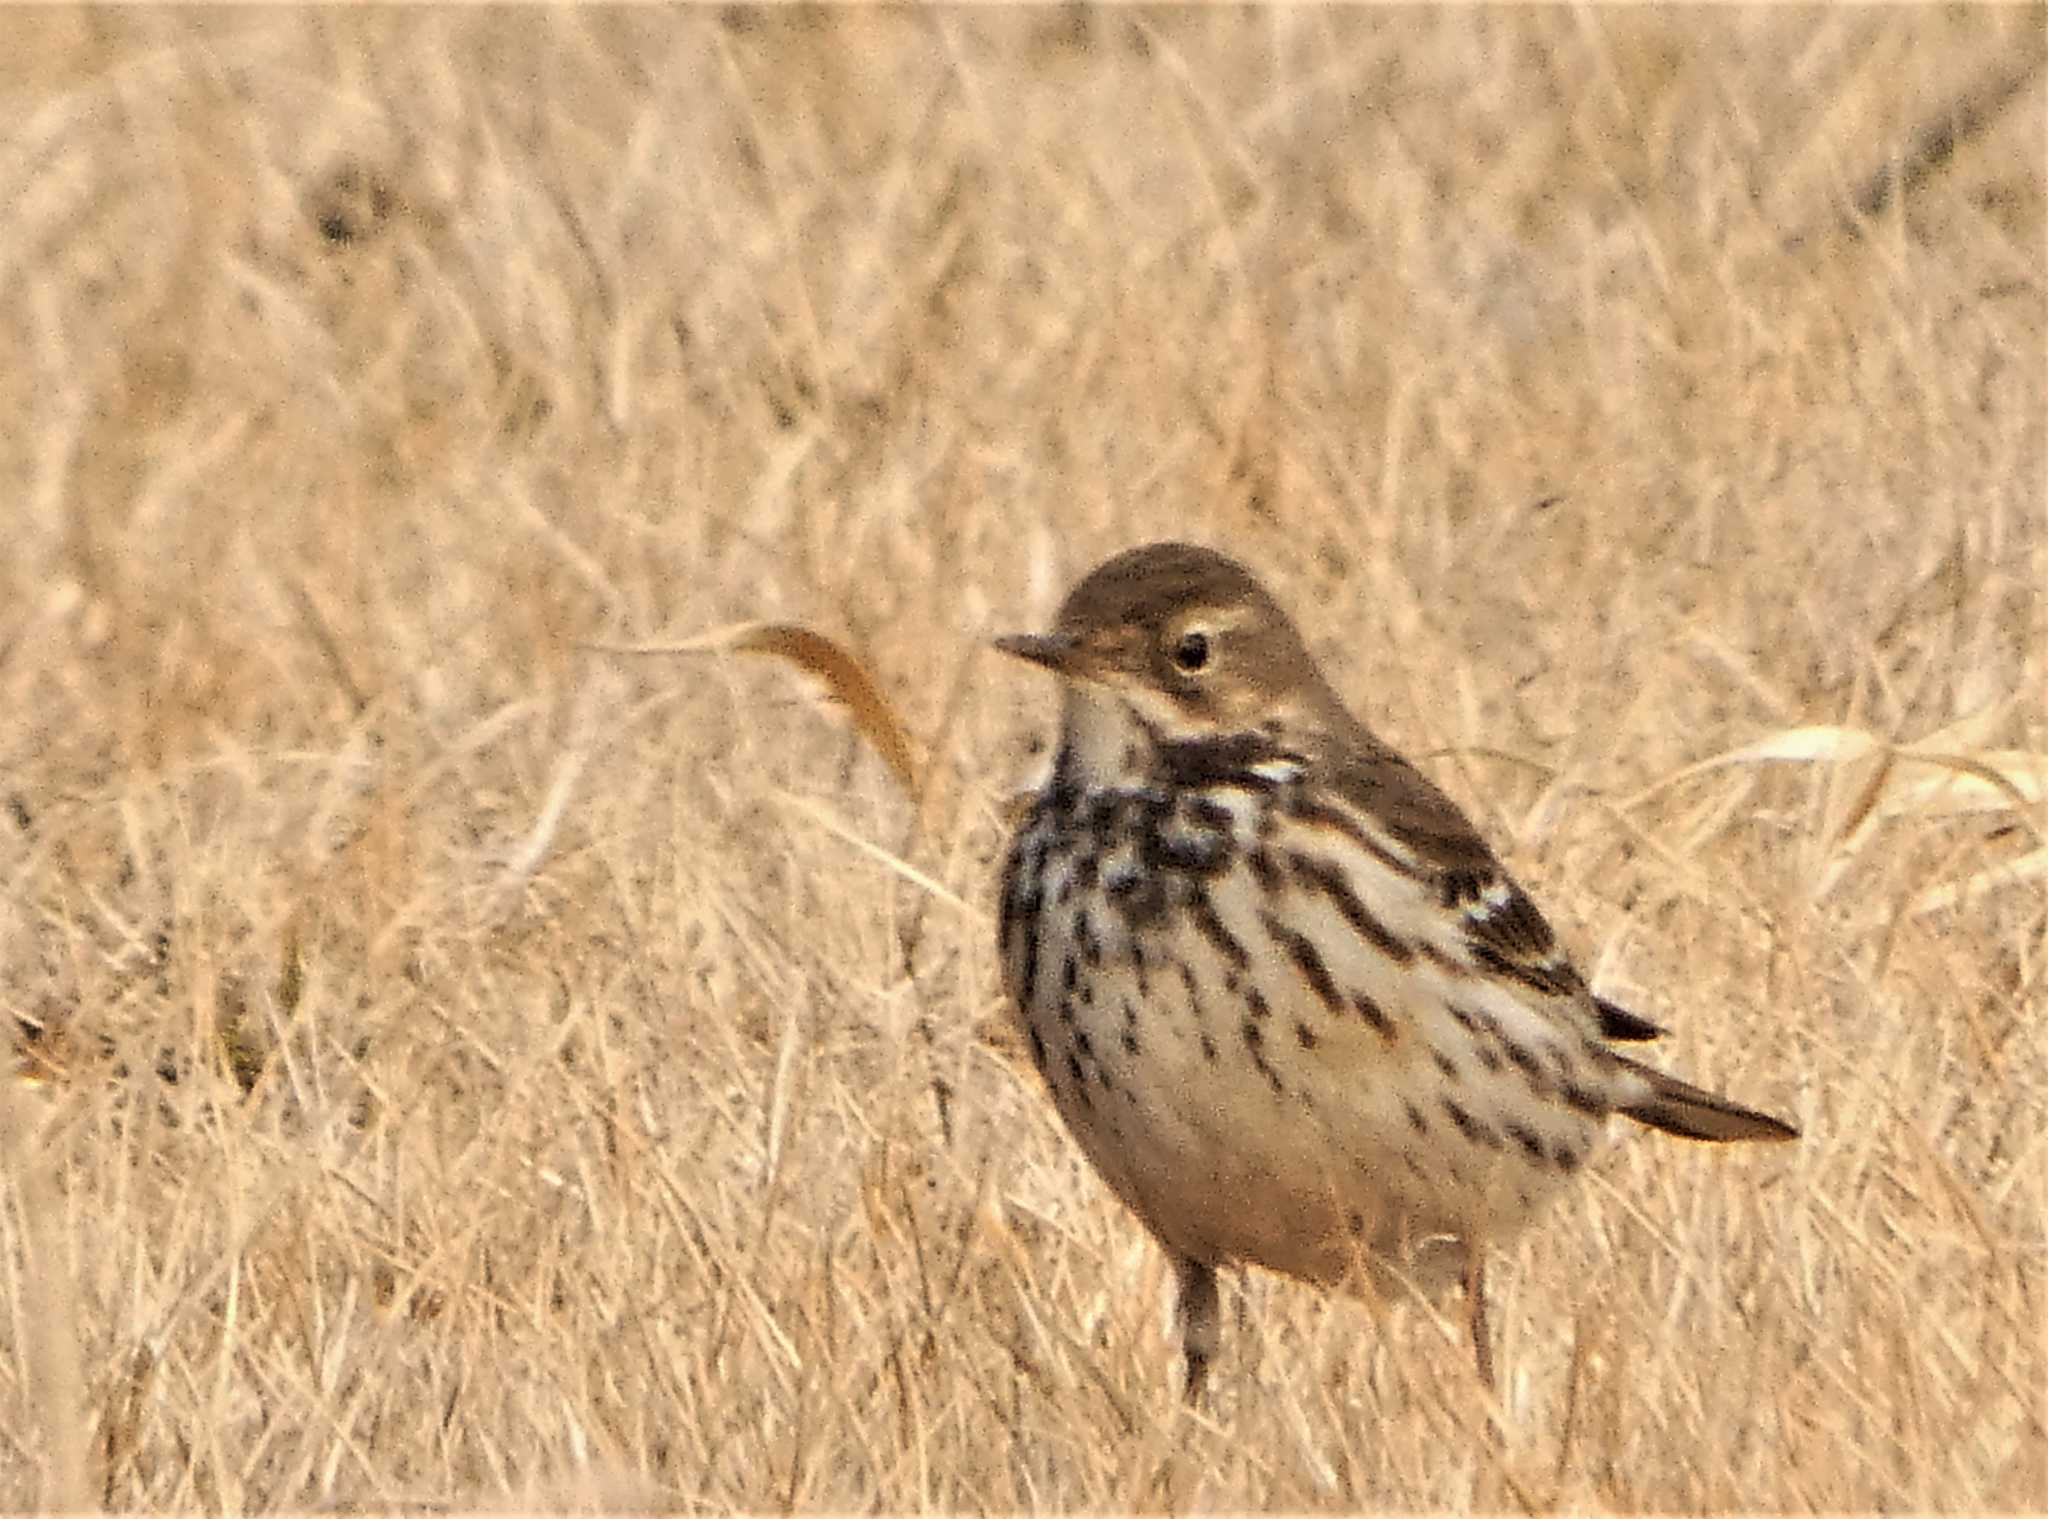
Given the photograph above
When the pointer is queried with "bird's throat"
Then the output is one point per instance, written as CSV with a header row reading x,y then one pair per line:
x,y
1104,744
1107,745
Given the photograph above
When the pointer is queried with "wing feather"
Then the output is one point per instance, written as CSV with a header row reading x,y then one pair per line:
x,y
1500,930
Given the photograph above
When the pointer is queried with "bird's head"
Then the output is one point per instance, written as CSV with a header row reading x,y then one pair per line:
x,y
1179,642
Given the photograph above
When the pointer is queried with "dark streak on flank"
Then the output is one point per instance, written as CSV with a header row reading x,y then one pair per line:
x,y
1255,1041
1527,1139
1460,1119
1472,1128
1479,1020
1265,870
1323,815
1085,938
1485,1031
1305,1036
1080,1081
1022,903
1010,905
1449,964
1322,876
1371,1012
1525,1060
1307,959
1415,1119
1203,913
1585,1100
1445,1064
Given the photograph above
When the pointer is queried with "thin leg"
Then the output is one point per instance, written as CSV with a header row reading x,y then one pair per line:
x,y
1475,1305
1200,1323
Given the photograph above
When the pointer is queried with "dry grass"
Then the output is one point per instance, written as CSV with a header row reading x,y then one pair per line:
x,y
479,1069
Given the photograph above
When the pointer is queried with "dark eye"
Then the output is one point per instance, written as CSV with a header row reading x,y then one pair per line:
x,y
1192,652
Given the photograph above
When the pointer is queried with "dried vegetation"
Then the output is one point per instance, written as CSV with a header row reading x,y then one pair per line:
x,y
463,1064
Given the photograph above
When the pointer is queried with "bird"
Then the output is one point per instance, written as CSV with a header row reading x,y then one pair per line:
x,y
1284,996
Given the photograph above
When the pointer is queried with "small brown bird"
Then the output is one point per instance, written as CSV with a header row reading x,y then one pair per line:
x,y
1285,997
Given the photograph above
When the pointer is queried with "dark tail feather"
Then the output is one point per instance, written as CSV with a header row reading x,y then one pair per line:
x,y
1679,1108
1618,1023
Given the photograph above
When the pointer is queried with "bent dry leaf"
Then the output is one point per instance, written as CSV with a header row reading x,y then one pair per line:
x,y
844,680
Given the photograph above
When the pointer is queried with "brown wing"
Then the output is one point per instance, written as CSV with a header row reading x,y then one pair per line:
x,y
1505,933
1503,929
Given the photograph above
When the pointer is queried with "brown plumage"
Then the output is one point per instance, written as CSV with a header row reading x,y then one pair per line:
x,y
1284,995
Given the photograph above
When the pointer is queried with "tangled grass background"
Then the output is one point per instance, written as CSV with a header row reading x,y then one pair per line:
x,y
458,1064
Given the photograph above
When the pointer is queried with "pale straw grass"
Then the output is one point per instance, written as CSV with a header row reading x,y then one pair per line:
x,y
466,1066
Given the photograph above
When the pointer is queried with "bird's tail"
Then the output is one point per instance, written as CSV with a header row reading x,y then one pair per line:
x,y
1677,1107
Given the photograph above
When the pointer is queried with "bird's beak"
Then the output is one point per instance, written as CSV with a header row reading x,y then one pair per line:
x,y
1053,651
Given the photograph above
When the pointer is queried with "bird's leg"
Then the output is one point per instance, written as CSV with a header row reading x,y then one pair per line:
x,y
1200,1323
1475,1306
